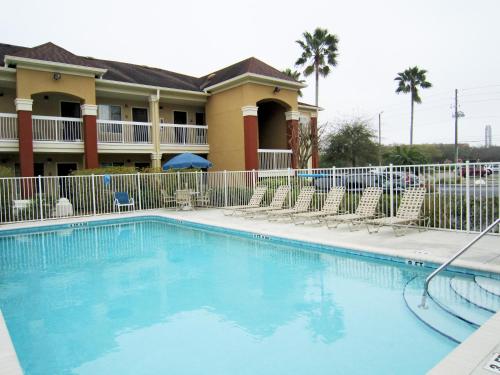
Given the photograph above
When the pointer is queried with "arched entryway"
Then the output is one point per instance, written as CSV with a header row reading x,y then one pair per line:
x,y
272,125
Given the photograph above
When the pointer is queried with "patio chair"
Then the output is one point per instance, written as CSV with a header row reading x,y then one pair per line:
x,y
168,200
276,204
330,207
203,200
183,199
408,214
255,201
123,200
301,205
366,209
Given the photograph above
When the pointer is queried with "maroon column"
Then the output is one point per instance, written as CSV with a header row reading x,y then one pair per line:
x,y
315,142
292,135
89,113
251,135
25,134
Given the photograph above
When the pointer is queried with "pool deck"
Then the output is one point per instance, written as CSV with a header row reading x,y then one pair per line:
x,y
428,247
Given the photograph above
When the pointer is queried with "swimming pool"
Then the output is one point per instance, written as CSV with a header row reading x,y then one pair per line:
x,y
151,296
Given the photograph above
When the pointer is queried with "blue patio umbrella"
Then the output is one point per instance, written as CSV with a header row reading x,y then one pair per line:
x,y
186,160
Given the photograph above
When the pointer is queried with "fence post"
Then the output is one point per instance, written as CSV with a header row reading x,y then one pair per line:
x,y
40,196
178,180
225,188
94,209
139,189
254,180
391,191
290,186
467,197
334,177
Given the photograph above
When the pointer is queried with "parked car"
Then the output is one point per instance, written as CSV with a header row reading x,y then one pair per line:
x,y
324,184
476,170
493,168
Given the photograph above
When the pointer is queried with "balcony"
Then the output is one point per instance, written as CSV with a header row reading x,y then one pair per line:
x,y
274,159
181,138
57,129
124,132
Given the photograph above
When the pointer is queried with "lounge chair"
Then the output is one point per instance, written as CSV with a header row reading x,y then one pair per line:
x,y
123,200
330,207
408,213
183,199
255,200
301,205
366,209
276,204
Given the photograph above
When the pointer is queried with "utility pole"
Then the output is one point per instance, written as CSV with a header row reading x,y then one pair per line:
x,y
380,138
456,115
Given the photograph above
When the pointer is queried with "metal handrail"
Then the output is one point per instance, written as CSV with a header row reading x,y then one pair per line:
x,y
447,263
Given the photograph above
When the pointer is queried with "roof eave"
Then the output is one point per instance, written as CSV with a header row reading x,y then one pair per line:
x,y
311,107
52,65
252,77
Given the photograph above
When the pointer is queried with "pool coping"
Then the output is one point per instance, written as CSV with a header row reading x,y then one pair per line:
x,y
468,358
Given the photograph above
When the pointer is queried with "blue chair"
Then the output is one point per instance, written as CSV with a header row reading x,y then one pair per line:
x,y
123,200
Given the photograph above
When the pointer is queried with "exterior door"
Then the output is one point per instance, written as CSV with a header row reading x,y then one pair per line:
x,y
140,131
71,131
180,118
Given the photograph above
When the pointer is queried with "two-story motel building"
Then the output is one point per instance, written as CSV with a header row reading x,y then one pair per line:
x,y
60,112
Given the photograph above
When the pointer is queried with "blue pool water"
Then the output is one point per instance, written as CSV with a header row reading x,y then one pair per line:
x,y
152,297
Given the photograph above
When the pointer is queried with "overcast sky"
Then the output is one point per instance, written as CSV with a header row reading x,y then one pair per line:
x,y
457,41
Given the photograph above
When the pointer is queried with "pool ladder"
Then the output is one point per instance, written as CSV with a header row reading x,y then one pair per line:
x,y
447,263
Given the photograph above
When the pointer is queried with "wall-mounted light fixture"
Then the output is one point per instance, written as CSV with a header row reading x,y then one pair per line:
x,y
46,97
276,90
56,76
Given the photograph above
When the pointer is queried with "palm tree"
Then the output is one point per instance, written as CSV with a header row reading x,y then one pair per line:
x,y
410,81
319,53
294,75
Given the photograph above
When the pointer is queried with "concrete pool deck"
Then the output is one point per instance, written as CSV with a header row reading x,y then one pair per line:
x,y
428,247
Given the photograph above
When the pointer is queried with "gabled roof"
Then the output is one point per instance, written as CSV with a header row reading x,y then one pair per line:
x,y
140,74
250,65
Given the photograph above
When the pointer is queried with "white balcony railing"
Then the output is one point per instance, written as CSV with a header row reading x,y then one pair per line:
x,y
183,134
8,126
57,129
130,132
274,159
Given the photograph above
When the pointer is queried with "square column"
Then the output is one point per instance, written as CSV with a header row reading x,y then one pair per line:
x,y
89,113
314,141
292,135
25,134
251,136
154,113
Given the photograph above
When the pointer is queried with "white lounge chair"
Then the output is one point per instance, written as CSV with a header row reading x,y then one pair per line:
x,y
255,201
168,200
301,205
331,206
408,214
276,204
367,208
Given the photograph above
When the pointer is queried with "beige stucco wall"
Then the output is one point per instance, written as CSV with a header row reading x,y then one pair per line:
x,y
31,82
167,112
225,121
49,104
7,104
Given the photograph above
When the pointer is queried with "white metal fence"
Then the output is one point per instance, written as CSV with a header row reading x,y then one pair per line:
x,y
57,129
8,126
460,197
110,131
274,159
183,134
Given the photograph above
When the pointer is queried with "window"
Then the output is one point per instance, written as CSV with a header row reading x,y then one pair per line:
x,y
200,118
113,164
109,112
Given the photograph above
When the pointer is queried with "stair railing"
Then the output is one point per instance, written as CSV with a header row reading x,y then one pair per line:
x,y
447,263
